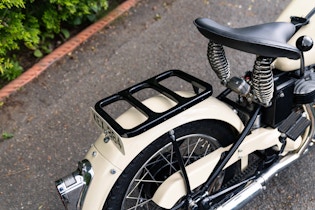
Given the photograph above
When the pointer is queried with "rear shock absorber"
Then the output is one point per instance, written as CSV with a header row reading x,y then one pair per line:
x,y
262,80
218,61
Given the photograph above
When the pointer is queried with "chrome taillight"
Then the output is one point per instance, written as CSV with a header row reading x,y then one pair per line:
x,y
72,188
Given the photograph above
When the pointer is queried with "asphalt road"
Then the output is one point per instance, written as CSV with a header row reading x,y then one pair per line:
x,y
50,117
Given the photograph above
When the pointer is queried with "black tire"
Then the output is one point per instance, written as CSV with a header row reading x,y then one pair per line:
x,y
151,163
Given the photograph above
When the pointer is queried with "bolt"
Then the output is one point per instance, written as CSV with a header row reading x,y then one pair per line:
x,y
94,153
106,139
113,171
305,151
281,95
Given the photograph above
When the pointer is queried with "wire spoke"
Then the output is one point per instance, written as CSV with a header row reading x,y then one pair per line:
x,y
169,163
140,204
141,180
160,166
192,152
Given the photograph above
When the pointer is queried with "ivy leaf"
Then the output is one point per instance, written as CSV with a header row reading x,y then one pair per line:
x,y
38,53
65,33
91,17
77,21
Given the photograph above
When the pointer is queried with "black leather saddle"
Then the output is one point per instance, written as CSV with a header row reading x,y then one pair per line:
x,y
269,39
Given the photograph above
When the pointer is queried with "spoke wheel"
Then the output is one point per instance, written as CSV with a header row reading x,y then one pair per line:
x,y
138,183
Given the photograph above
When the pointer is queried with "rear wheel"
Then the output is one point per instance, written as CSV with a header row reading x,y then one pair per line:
x,y
137,184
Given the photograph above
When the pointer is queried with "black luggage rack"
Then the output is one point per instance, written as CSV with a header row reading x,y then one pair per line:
x,y
202,91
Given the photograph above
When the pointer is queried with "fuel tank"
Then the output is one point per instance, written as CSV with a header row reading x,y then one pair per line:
x,y
300,9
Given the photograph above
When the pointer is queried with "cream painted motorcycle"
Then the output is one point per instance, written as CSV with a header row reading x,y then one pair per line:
x,y
188,150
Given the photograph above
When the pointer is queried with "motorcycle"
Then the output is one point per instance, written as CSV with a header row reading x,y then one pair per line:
x,y
185,149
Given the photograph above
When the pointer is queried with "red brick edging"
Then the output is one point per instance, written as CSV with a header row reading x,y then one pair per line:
x,y
64,49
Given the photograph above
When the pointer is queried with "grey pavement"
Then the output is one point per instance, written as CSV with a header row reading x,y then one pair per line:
x,y
50,117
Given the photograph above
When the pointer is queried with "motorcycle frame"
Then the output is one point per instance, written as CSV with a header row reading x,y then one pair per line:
x,y
108,162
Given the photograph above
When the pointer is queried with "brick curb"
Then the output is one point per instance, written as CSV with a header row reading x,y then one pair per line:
x,y
64,49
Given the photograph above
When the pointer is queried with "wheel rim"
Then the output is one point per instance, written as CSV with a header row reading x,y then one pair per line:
x,y
163,164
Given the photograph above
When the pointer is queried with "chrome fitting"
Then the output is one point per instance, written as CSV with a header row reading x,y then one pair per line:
x,y
72,188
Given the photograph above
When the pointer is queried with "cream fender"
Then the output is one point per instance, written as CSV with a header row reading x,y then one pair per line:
x,y
108,162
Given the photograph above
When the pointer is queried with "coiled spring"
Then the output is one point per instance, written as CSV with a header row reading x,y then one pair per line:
x,y
218,61
262,80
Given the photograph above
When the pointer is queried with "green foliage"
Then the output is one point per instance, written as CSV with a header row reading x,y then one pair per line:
x,y
34,24
13,71
11,3
6,135
9,69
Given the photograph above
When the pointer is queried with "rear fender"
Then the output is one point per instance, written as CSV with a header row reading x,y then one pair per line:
x,y
108,162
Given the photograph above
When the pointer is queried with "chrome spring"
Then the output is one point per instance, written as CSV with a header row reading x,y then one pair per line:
x,y
262,80
218,61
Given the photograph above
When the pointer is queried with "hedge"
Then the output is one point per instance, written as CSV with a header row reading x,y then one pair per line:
x,y
33,24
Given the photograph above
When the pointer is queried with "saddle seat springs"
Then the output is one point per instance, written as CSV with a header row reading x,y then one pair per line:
x,y
262,77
